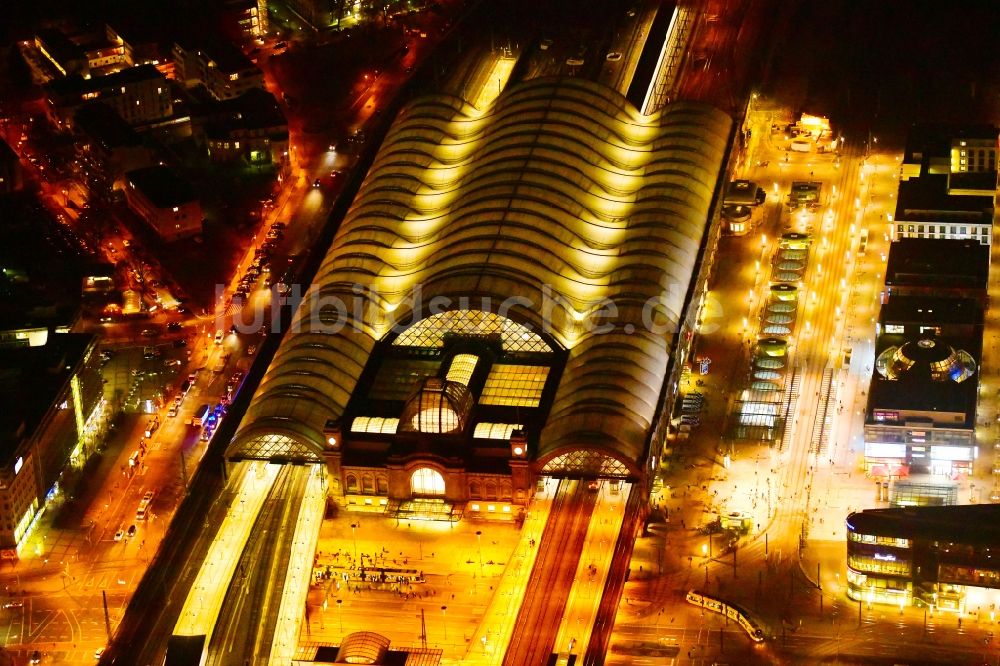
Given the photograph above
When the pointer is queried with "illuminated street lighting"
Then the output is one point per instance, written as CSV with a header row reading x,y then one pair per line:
x,y
479,540
354,533
340,612
444,621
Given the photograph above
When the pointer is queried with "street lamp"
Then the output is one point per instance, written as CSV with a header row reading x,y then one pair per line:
x,y
444,621
479,541
340,612
354,533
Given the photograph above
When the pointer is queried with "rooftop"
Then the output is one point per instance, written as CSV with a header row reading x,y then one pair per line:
x,y
930,375
31,379
256,109
77,85
927,199
162,186
59,46
969,524
931,311
7,153
560,186
973,180
936,262
926,140
104,125
226,56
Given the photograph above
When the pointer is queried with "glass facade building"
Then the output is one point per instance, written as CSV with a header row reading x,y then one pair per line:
x,y
940,557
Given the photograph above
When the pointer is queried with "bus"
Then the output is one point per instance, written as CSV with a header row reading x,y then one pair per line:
x,y
732,611
143,511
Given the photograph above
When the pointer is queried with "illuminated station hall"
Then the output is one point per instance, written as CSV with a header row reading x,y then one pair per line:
x,y
511,286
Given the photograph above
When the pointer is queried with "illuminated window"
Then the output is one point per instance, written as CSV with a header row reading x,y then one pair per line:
x,y
502,431
461,368
893,328
375,424
426,481
514,385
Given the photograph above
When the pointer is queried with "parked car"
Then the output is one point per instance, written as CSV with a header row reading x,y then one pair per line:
x,y
219,335
119,535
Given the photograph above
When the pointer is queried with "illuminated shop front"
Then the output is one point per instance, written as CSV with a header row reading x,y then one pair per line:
x,y
942,557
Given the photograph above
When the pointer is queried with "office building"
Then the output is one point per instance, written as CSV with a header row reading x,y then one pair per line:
x,y
140,95
53,414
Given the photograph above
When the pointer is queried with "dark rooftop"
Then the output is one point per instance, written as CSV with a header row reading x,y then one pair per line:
x,y
162,186
931,311
255,109
937,262
104,125
973,180
935,139
926,199
59,46
31,378
969,524
227,57
7,153
915,390
76,85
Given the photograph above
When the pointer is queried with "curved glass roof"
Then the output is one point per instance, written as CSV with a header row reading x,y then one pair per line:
x,y
927,357
557,200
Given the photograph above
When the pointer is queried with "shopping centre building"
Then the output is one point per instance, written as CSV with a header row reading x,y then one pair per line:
x,y
945,558
511,295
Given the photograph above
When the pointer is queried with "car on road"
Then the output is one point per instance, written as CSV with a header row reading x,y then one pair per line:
x,y
180,343
14,604
251,350
574,61
219,335
174,326
99,653
278,225
119,535
36,657
131,531
593,485
614,56
172,412
317,183
150,332
149,353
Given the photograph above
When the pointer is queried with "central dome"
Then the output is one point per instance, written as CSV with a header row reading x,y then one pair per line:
x,y
437,407
930,358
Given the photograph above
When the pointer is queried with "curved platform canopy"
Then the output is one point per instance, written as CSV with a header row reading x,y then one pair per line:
x,y
561,207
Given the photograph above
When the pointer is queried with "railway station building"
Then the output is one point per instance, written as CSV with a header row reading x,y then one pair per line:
x,y
511,295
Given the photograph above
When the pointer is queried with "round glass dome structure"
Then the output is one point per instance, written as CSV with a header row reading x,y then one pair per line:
x,y
930,358
437,407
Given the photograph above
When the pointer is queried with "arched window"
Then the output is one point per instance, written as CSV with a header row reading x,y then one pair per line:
x,y
352,483
491,490
383,485
474,489
426,481
367,484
